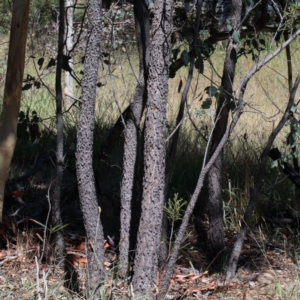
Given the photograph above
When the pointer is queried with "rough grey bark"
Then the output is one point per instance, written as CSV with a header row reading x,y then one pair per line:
x,y
167,271
69,81
146,260
163,253
257,186
84,154
55,199
215,201
142,24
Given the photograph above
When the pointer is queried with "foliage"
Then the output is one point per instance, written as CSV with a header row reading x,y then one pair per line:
x,y
175,208
28,126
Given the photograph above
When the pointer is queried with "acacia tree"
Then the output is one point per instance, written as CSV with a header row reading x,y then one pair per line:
x,y
12,90
215,203
146,260
55,197
142,27
84,153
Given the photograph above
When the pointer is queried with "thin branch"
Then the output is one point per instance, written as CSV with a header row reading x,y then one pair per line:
x,y
249,11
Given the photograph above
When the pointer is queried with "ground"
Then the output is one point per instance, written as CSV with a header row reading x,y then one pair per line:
x,y
267,270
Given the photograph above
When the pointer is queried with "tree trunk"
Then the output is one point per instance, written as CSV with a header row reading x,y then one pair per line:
x,y
12,90
215,202
84,154
55,199
142,24
170,160
290,82
69,81
146,260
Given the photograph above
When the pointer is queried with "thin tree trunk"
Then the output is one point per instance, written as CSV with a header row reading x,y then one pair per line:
x,y
142,24
146,260
290,82
55,199
232,266
69,81
163,253
12,90
84,154
215,201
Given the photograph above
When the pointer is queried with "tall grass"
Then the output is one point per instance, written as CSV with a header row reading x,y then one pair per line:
x,y
266,96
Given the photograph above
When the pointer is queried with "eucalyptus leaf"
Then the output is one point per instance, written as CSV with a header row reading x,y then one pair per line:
x,y
294,108
199,65
229,27
206,103
51,63
274,164
211,90
185,57
180,86
26,86
236,36
40,62
291,139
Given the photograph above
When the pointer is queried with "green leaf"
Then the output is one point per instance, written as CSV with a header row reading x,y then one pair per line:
x,y
175,53
232,105
39,223
294,108
291,139
180,86
51,63
288,123
262,41
206,103
28,78
255,44
26,86
40,62
37,84
211,90
199,65
229,27
172,74
65,63
185,57
236,36
21,116
274,164
296,153
58,228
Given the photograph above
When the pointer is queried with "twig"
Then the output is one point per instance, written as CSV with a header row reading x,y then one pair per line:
x,y
37,278
46,224
45,285
41,80
76,99
248,12
9,258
